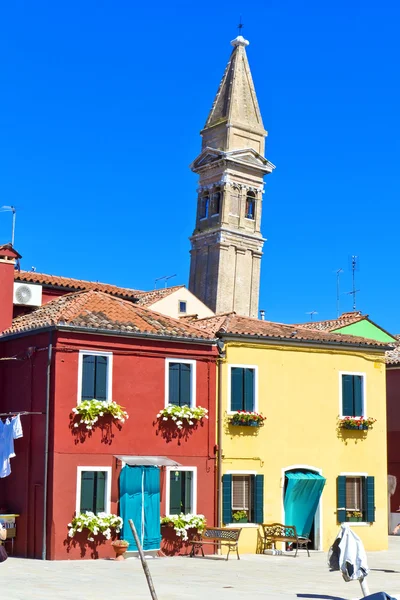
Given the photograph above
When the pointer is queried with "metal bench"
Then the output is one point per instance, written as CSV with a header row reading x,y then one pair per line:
x,y
217,535
277,532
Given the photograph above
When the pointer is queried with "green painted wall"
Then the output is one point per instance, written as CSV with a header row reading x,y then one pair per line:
x,y
368,330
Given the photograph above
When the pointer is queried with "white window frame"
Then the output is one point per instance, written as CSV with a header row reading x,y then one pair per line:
x,y
255,367
192,379
109,356
168,487
356,474
107,499
233,473
364,391
182,312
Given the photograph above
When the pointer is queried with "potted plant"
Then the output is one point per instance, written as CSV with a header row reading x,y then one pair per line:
x,y
120,547
356,423
182,415
240,516
354,515
88,412
246,418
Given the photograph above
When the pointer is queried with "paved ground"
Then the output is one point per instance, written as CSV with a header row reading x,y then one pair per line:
x,y
255,576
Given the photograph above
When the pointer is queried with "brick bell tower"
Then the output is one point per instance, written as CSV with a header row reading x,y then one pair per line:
x,y
226,245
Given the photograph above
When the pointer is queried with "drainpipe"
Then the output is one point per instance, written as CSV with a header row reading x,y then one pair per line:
x,y
46,446
221,360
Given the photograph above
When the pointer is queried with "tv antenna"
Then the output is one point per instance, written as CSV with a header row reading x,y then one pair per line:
x,y
165,278
14,214
338,272
354,268
312,313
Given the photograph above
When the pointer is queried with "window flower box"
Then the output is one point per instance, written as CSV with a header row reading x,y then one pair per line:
x,y
243,418
182,416
182,523
356,423
100,524
89,412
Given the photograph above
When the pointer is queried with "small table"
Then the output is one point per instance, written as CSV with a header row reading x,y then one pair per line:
x,y
8,522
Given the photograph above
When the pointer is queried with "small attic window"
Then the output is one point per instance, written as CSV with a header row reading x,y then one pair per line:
x,y
250,205
182,306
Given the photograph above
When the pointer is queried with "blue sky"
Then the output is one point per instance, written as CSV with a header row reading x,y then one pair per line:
x,y
100,112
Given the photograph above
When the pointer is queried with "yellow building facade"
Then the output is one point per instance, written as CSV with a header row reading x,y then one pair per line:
x,y
299,387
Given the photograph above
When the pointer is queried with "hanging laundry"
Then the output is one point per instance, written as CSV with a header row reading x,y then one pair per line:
x,y
9,431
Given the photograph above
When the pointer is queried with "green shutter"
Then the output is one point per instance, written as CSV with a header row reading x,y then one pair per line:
x,y
101,363
88,376
184,384
173,383
347,396
258,498
237,385
175,497
87,491
341,498
100,482
370,499
358,395
227,498
249,403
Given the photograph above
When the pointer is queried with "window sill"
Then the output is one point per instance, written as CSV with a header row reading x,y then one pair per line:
x,y
245,525
357,523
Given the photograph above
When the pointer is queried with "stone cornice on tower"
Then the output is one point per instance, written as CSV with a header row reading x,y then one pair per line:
x,y
236,102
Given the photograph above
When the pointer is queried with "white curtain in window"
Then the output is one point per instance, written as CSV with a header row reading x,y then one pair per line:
x,y
241,492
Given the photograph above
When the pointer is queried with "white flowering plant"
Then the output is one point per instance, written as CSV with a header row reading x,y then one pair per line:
x,y
100,524
88,412
182,415
182,523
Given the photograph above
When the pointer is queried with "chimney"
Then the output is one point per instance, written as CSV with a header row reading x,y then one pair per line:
x,y
262,315
8,256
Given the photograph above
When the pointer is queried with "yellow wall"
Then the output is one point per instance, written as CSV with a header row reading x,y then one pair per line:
x,y
298,392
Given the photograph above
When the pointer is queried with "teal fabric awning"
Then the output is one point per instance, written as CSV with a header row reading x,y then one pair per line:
x,y
302,495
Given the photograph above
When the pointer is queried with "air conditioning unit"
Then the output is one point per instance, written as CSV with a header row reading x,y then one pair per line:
x,y
27,294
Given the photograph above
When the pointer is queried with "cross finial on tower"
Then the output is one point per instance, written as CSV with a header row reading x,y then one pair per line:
x,y
240,26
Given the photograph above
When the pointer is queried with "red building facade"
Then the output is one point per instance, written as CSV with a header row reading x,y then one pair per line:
x,y
44,358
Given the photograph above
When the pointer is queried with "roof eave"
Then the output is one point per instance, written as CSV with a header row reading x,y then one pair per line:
x,y
298,342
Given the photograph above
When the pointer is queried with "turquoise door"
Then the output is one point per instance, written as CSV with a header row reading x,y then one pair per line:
x,y
302,496
139,498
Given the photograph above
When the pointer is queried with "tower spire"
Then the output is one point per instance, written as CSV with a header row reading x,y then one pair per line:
x,y
227,241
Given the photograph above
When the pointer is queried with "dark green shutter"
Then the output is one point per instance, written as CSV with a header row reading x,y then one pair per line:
x,y
88,370
358,395
100,491
237,401
101,377
227,498
249,389
258,498
370,499
347,396
87,491
341,498
184,385
173,379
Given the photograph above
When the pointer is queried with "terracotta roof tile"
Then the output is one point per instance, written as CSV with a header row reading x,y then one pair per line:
x,y
232,324
99,310
345,319
393,356
69,284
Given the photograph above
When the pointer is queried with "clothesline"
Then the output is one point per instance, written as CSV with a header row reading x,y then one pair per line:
x,y
21,413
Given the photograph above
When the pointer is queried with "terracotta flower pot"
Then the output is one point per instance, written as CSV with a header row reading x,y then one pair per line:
x,y
120,550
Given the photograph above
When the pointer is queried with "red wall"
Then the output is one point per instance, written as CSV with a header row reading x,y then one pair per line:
x,y
393,430
138,385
